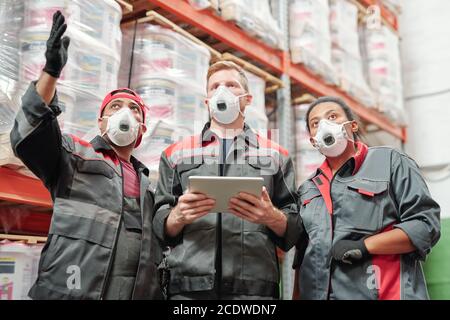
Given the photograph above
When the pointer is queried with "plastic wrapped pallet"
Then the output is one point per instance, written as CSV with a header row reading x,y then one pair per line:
x,y
255,114
91,70
308,159
8,110
18,269
169,72
344,26
255,17
159,51
11,21
345,53
310,40
94,55
204,4
383,68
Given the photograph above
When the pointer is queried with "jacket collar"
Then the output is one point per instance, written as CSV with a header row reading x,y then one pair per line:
x,y
355,161
248,135
360,156
101,145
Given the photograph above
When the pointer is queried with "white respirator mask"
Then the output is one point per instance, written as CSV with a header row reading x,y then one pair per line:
x,y
224,106
122,128
331,138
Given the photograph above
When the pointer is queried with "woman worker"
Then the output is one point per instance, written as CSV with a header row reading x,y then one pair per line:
x,y
368,214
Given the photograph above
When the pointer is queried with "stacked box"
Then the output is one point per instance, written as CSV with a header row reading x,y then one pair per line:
x,y
255,114
345,52
383,68
91,70
18,269
255,17
309,38
307,158
169,72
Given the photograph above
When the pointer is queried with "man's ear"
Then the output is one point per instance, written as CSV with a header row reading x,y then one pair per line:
x,y
102,124
355,126
247,102
248,99
143,128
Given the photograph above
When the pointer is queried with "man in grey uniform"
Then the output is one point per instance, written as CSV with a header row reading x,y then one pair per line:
x,y
229,255
100,244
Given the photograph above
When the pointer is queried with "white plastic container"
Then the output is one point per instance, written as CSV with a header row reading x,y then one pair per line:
x,y
160,96
99,20
310,40
11,21
162,52
40,12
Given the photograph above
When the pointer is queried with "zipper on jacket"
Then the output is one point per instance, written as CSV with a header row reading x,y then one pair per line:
x,y
141,211
116,239
219,230
330,262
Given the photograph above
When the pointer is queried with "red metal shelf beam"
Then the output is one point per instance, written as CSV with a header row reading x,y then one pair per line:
x,y
277,60
26,221
315,85
17,188
224,31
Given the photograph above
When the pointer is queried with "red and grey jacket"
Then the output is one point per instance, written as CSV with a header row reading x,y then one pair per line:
x,y
377,190
86,185
221,251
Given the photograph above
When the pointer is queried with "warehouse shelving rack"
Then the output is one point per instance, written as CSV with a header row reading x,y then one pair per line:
x,y
225,36
25,204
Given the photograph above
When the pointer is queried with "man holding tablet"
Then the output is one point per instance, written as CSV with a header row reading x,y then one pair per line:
x,y
229,254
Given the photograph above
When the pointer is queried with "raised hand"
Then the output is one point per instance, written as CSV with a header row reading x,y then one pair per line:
x,y
56,53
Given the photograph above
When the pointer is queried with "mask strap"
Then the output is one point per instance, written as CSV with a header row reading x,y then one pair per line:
x,y
345,132
107,126
239,97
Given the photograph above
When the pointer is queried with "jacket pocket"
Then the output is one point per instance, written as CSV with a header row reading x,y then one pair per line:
x,y
96,182
84,221
262,165
191,263
95,167
259,260
74,267
186,170
186,167
82,238
309,203
363,209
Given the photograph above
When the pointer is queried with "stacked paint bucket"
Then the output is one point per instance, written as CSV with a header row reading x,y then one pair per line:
x,y
94,55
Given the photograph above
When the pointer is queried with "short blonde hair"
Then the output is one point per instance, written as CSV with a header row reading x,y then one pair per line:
x,y
228,65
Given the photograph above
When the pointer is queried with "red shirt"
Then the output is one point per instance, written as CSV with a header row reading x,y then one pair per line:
x,y
130,180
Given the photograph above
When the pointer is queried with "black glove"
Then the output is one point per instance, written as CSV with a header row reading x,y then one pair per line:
x,y
56,53
349,251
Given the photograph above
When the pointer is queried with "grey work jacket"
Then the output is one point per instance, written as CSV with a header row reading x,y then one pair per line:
x,y
86,185
386,192
221,251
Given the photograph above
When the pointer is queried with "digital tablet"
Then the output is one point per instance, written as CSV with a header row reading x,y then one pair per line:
x,y
223,188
